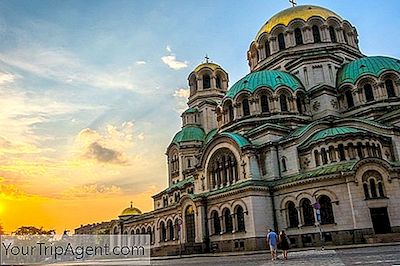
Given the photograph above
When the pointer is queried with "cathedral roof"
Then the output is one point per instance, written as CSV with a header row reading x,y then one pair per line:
x,y
191,110
131,211
303,12
189,133
210,65
265,78
330,133
371,65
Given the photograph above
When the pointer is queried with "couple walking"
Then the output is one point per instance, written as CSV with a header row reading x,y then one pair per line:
x,y
273,240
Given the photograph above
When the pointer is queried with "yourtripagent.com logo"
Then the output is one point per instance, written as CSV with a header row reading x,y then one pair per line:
x,y
75,250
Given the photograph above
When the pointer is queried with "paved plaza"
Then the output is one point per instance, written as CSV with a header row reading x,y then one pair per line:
x,y
386,255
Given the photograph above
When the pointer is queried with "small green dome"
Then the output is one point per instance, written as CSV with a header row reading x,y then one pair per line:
x,y
265,78
191,111
189,133
331,133
372,65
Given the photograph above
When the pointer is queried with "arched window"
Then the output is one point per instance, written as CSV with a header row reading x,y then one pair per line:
x,y
300,103
308,212
230,112
240,219
366,191
373,185
216,223
190,224
350,148
292,214
227,220
218,82
222,168
283,103
298,36
138,231
264,103
283,163
316,157
324,156
246,107
171,234
206,81
149,233
369,94
163,231
360,152
326,210
390,88
346,40
281,41
332,33
267,49
349,99
316,34
342,154
332,154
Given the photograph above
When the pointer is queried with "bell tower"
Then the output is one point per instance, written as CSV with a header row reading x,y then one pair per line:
x,y
208,83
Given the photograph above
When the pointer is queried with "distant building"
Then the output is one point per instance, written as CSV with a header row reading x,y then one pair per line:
x,y
308,142
102,228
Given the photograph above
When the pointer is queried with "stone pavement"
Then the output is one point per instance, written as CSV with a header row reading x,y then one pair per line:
x,y
370,255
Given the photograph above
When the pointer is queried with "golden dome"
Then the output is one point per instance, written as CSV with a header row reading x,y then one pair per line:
x,y
210,65
131,211
303,12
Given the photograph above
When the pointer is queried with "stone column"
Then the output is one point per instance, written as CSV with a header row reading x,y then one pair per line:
x,y
273,44
325,36
299,216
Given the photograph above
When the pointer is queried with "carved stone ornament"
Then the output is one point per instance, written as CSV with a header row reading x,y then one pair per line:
x,y
316,105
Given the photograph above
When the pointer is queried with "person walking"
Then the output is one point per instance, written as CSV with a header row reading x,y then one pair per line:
x,y
284,243
272,239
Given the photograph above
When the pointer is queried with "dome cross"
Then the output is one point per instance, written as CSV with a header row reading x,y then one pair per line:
x,y
293,2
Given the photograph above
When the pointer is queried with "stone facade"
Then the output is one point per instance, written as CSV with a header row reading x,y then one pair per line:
x,y
308,142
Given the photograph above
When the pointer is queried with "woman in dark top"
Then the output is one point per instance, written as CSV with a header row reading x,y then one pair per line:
x,y
284,241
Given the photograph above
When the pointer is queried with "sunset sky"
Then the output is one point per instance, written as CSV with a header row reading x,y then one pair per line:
x,y
91,94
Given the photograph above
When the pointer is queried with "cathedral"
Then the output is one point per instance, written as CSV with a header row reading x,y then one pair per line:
x,y
307,142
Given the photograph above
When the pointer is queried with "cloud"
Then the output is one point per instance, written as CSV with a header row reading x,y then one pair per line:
x,y
141,62
6,78
181,96
109,146
105,155
171,61
182,93
65,67
91,190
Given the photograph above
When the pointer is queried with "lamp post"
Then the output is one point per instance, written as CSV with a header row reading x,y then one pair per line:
x,y
317,208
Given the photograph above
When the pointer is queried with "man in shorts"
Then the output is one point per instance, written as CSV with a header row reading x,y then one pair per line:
x,y
272,239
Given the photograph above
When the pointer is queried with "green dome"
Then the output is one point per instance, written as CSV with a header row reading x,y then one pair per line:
x,y
331,133
189,133
372,65
265,78
191,111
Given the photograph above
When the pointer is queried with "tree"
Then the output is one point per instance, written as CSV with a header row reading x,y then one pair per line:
x,y
31,230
